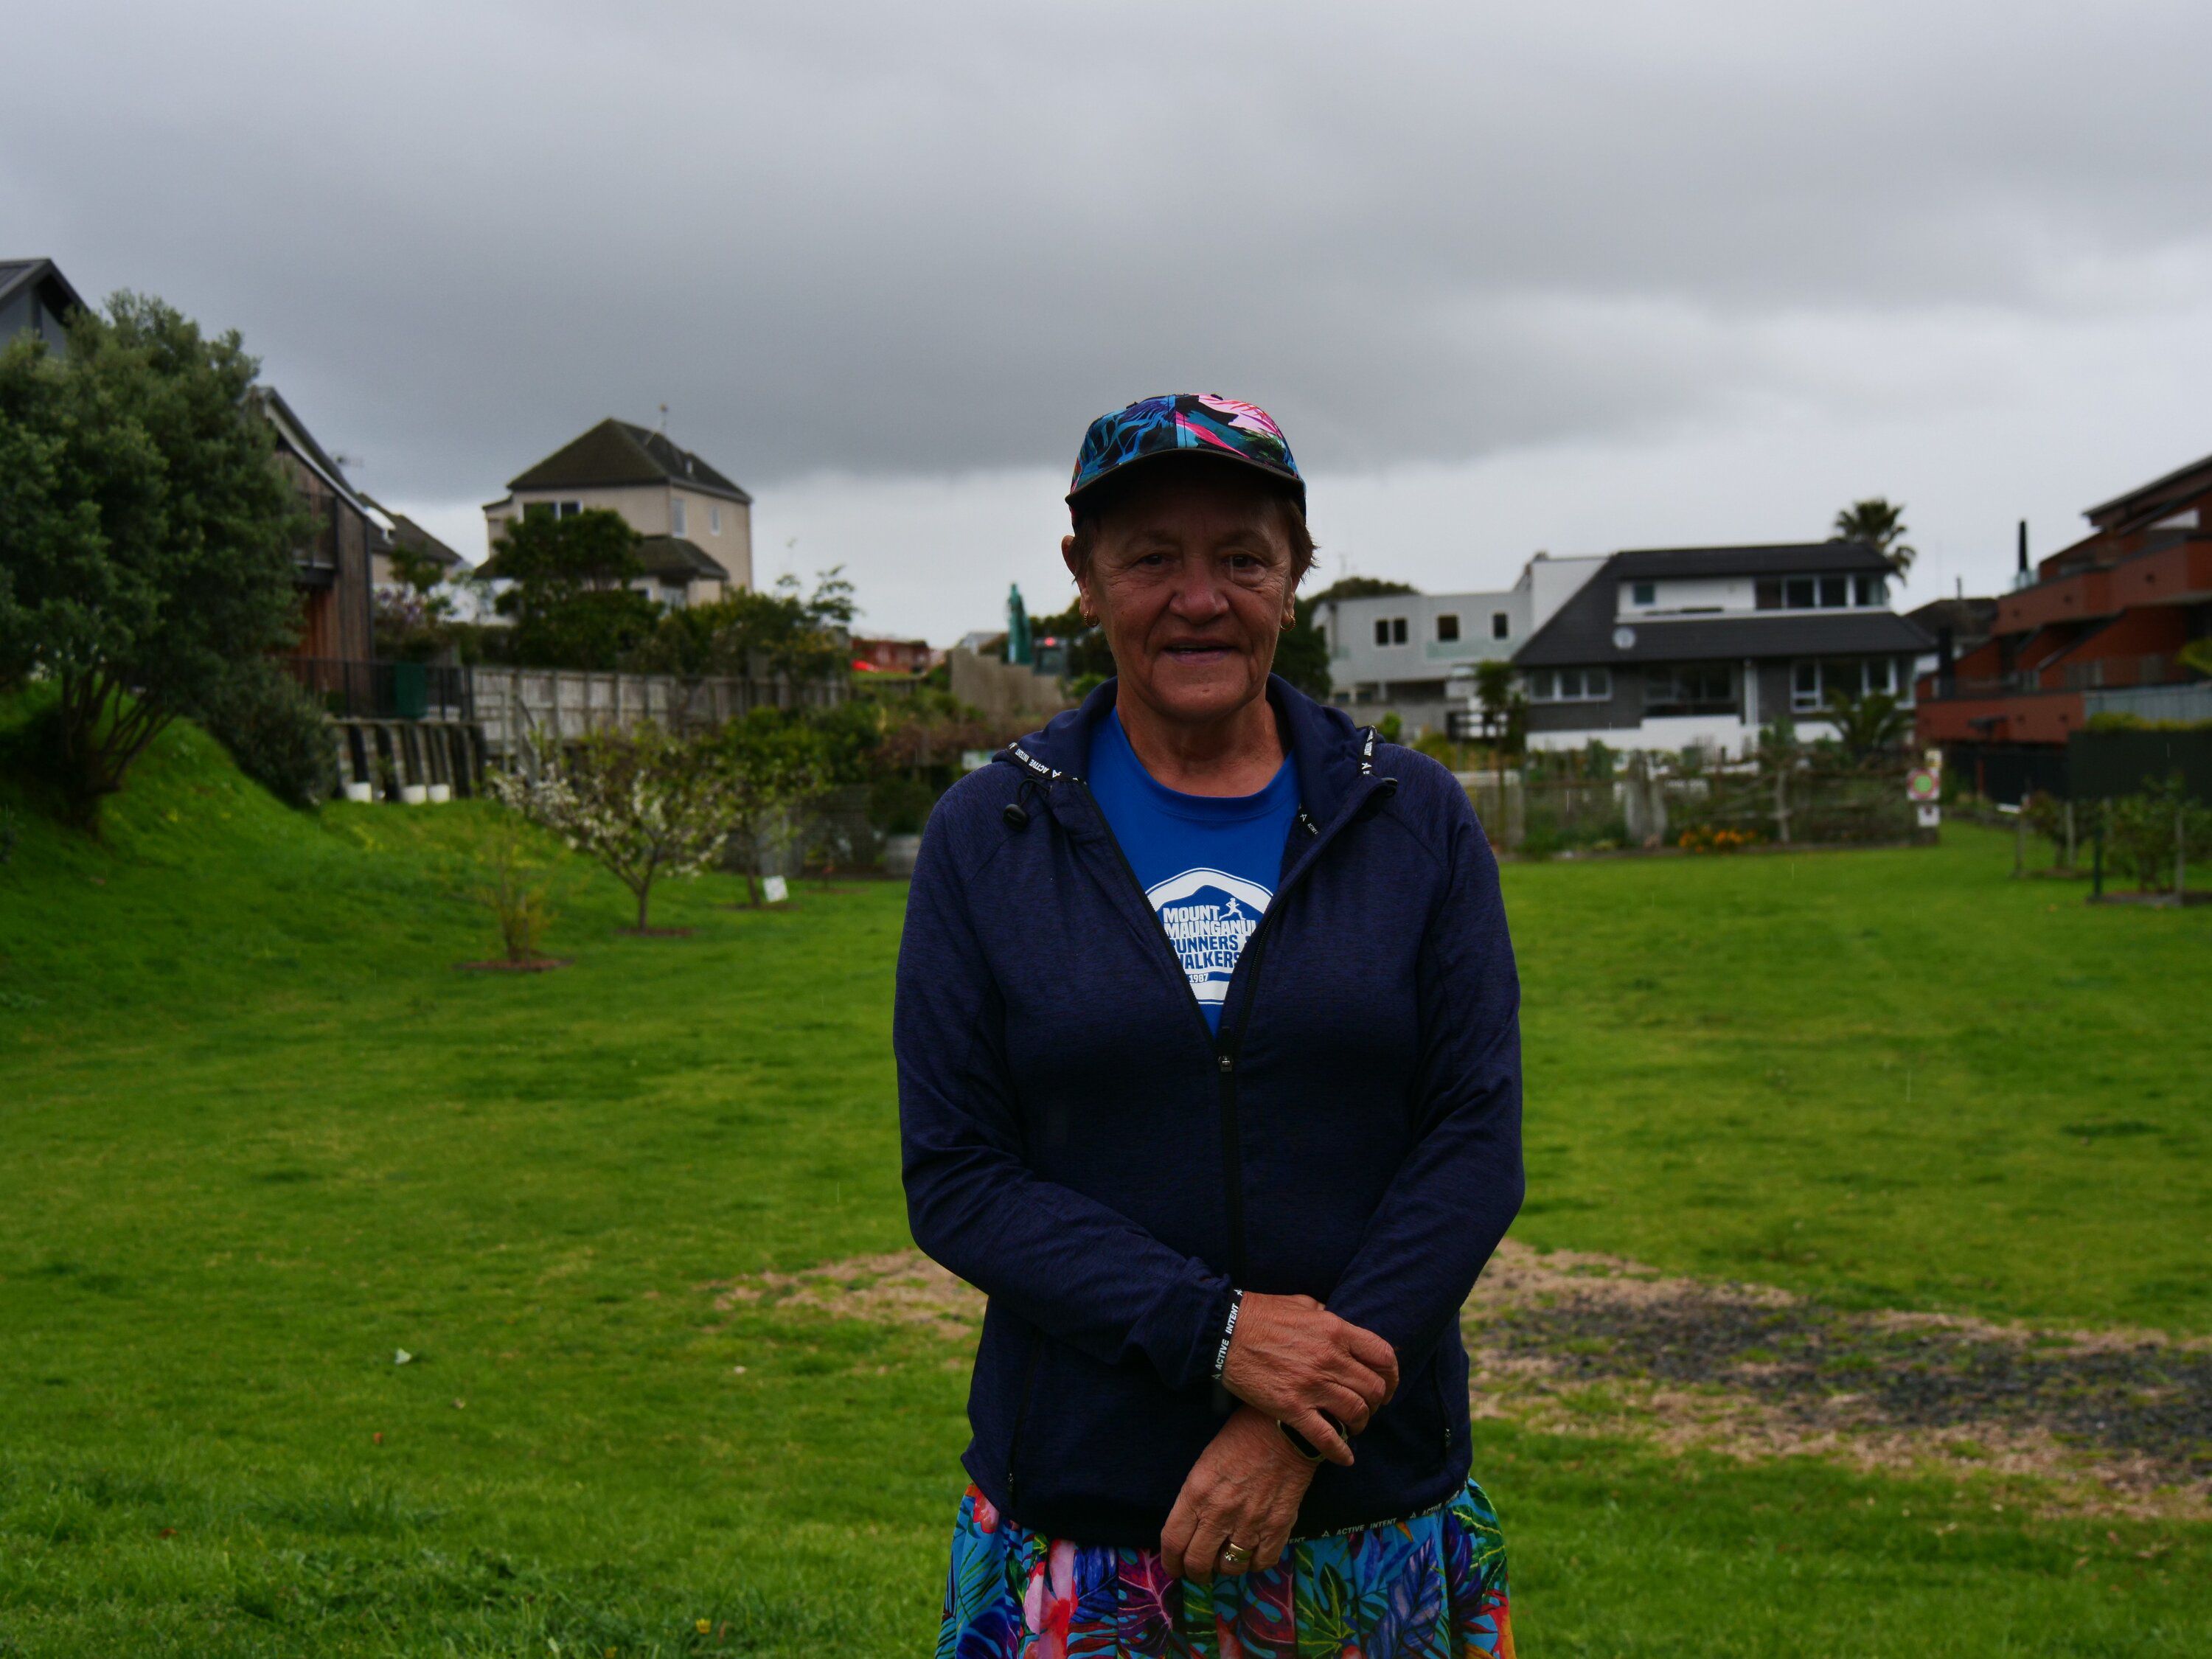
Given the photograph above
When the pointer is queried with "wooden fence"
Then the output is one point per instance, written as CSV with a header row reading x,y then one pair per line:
x,y
525,713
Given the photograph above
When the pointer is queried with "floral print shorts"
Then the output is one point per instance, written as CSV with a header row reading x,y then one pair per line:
x,y
1432,1587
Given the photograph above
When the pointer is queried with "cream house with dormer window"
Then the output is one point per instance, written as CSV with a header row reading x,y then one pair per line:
x,y
697,524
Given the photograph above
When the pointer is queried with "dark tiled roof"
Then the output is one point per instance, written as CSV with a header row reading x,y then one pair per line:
x,y
406,533
1582,630
2143,499
667,557
616,452
20,273
1970,621
1780,559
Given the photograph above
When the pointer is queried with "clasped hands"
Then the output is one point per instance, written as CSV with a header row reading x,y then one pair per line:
x,y
1291,1361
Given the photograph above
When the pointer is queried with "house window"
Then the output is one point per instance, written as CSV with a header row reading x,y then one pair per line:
x,y
1835,593
1644,594
1447,628
675,516
1870,591
1815,686
1381,630
551,509
1766,593
1570,684
1689,687
1501,625
1389,630
1799,594
715,519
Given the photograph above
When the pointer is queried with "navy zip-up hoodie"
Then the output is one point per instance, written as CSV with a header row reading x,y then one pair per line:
x,y
1079,1147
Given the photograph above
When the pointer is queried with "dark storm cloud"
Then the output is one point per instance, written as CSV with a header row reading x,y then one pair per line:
x,y
900,238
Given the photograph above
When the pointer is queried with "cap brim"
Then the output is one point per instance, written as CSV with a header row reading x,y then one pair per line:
x,y
1290,481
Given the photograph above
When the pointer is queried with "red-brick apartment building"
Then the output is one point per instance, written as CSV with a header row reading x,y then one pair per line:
x,y
2098,627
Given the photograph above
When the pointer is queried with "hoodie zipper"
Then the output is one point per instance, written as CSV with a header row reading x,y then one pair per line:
x,y
1224,1043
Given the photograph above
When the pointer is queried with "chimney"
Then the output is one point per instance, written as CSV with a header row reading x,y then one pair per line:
x,y
2023,547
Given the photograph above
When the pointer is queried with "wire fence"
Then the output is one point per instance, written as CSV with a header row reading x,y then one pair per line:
x,y
1721,809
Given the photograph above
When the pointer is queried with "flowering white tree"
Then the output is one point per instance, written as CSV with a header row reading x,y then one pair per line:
x,y
646,804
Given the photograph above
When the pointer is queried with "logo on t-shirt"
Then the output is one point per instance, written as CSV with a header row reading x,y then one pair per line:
x,y
1208,915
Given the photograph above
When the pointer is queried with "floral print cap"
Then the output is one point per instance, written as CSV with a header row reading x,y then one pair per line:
x,y
1201,422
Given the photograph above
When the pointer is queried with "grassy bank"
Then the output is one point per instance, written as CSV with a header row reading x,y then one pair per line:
x,y
262,1137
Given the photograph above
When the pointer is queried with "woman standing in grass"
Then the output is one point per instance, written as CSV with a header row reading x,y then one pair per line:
x,y
1209,1076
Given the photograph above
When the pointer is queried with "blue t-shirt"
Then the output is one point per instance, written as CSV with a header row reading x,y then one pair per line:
x,y
1208,863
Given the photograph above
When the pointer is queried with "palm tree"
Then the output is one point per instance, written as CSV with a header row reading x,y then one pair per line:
x,y
1880,525
1870,726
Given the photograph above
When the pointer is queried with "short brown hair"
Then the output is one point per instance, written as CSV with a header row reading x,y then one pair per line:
x,y
1103,498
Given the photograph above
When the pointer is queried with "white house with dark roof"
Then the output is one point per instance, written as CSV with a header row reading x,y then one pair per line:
x,y
697,524
1676,647
1413,654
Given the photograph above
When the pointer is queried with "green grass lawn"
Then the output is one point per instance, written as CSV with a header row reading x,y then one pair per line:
x,y
261,1137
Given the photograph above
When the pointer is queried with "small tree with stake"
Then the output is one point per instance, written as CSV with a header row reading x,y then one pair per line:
x,y
646,804
777,764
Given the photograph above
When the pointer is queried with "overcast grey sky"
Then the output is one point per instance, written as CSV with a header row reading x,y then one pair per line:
x,y
1511,276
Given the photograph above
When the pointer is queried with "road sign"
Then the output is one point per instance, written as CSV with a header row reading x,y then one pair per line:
x,y
1924,784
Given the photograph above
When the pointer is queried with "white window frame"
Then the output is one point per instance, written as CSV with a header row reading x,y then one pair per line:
x,y
1451,616
1571,685
1501,625
713,518
1872,674
677,520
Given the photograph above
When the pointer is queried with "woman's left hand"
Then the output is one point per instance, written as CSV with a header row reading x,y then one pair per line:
x,y
1245,1489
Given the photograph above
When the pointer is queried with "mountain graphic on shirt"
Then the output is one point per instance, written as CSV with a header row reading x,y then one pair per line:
x,y
1208,914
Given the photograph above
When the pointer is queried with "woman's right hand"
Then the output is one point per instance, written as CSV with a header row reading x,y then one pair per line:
x,y
1293,1359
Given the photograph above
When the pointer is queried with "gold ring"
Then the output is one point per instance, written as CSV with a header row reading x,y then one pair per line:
x,y
1235,1555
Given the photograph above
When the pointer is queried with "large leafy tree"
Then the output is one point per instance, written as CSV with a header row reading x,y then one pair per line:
x,y
1878,524
568,590
146,529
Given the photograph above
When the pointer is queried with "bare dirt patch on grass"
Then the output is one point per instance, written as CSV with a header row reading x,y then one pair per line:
x,y
2113,1420
903,1288
2106,1421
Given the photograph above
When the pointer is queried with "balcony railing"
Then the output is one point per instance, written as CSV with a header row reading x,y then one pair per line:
x,y
2097,674
387,690
2107,673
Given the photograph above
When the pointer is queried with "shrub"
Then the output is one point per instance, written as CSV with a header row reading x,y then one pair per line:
x,y
2140,830
274,732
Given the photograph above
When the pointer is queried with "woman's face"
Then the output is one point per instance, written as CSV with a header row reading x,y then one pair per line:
x,y
1190,578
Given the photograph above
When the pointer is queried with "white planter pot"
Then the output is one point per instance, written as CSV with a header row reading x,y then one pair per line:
x,y
413,794
441,793
361,792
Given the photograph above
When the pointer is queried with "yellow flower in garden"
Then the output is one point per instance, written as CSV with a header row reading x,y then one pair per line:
x,y
705,1624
